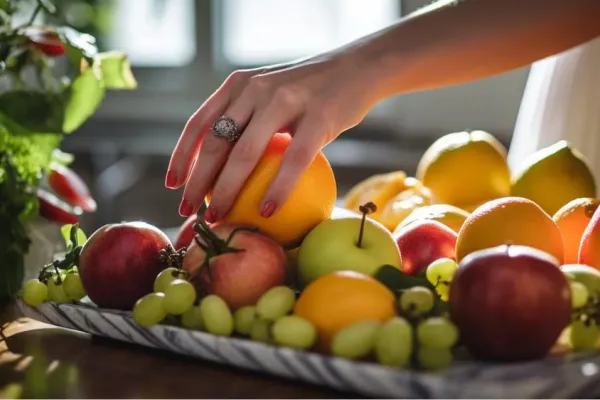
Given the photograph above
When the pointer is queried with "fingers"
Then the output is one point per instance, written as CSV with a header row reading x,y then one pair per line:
x,y
213,154
305,145
188,145
243,159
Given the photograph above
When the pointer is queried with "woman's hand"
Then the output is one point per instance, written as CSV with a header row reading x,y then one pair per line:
x,y
314,100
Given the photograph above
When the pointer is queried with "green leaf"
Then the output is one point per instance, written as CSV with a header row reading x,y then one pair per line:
x,y
66,231
85,95
397,281
77,45
48,6
116,70
34,111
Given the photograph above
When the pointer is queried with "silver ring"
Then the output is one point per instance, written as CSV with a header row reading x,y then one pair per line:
x,y
225,127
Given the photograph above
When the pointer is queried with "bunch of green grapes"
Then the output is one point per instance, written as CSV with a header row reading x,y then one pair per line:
x,y
59,287
269,321
584,330
420,339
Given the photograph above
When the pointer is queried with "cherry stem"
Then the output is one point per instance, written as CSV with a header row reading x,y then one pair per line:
x,y
365,209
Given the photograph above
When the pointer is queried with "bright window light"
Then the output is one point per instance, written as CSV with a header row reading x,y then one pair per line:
x,y
256,32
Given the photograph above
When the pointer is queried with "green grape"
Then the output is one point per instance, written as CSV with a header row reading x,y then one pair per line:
x,y
394,342
417,300
437,333
149,310
34,292
293,331
356,340
243,319
434,359
441,270
579,294
216,315
443,290
56,291
165,277
192,319
261,331
73,286
179,296
583,337
276,303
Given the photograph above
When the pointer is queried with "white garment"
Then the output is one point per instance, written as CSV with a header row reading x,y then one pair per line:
x,y
561,102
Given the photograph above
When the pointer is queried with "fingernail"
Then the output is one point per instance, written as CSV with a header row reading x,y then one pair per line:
x,y
210,214
186,208
267,209
171,180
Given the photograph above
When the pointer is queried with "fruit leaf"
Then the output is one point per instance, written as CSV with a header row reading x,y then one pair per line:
x,y
116,71
34,111
396,281
77,45
67,231
85,95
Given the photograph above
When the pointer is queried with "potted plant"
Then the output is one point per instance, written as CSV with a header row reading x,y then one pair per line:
x,y
52,79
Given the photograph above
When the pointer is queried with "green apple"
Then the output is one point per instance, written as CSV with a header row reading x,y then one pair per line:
x,y
584,274
337,245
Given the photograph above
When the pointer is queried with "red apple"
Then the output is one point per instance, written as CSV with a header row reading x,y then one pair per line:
x,y
423,242
510,303
186,233
243,264
119,263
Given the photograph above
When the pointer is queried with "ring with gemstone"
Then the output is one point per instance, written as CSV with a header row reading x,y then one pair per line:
x,y
225,127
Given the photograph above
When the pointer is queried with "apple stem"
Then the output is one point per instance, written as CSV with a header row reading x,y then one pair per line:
x,y
365,209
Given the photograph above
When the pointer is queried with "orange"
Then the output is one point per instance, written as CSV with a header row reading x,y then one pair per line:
x,y
572,219
311,201
341,298
589,250
509,220
452,217
415,195
465,168
378,189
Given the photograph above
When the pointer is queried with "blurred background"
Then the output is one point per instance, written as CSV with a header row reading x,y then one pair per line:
x,y
182,50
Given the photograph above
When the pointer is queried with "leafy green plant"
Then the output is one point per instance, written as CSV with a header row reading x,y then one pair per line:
x,y
52,79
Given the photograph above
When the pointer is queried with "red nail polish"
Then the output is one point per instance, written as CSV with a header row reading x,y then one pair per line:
x,y
267,209
210,215
171,180
186,208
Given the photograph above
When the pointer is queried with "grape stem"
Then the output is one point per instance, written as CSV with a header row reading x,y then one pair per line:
x,y
365,209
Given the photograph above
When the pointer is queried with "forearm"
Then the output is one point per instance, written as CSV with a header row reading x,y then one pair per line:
x,y
448,44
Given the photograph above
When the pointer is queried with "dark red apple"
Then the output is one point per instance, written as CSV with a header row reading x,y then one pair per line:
x,y
186,233
243,265
119,263
510,303
423,242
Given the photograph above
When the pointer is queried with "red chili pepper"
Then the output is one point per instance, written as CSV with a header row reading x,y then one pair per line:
x,y
51,208
47,41
70,187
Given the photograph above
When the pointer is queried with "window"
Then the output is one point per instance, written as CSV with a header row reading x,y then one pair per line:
x,y
257,32
154,33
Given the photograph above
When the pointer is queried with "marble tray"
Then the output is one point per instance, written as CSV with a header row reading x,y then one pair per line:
x,y
566,376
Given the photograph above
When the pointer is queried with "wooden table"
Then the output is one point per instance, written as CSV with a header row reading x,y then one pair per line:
x,y
43,361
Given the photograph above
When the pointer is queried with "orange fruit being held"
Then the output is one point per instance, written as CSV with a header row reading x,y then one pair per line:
x,y
589,250
572,219
509,220
341,298
311,201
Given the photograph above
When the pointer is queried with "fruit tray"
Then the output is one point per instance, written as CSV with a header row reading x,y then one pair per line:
x,y
574,375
